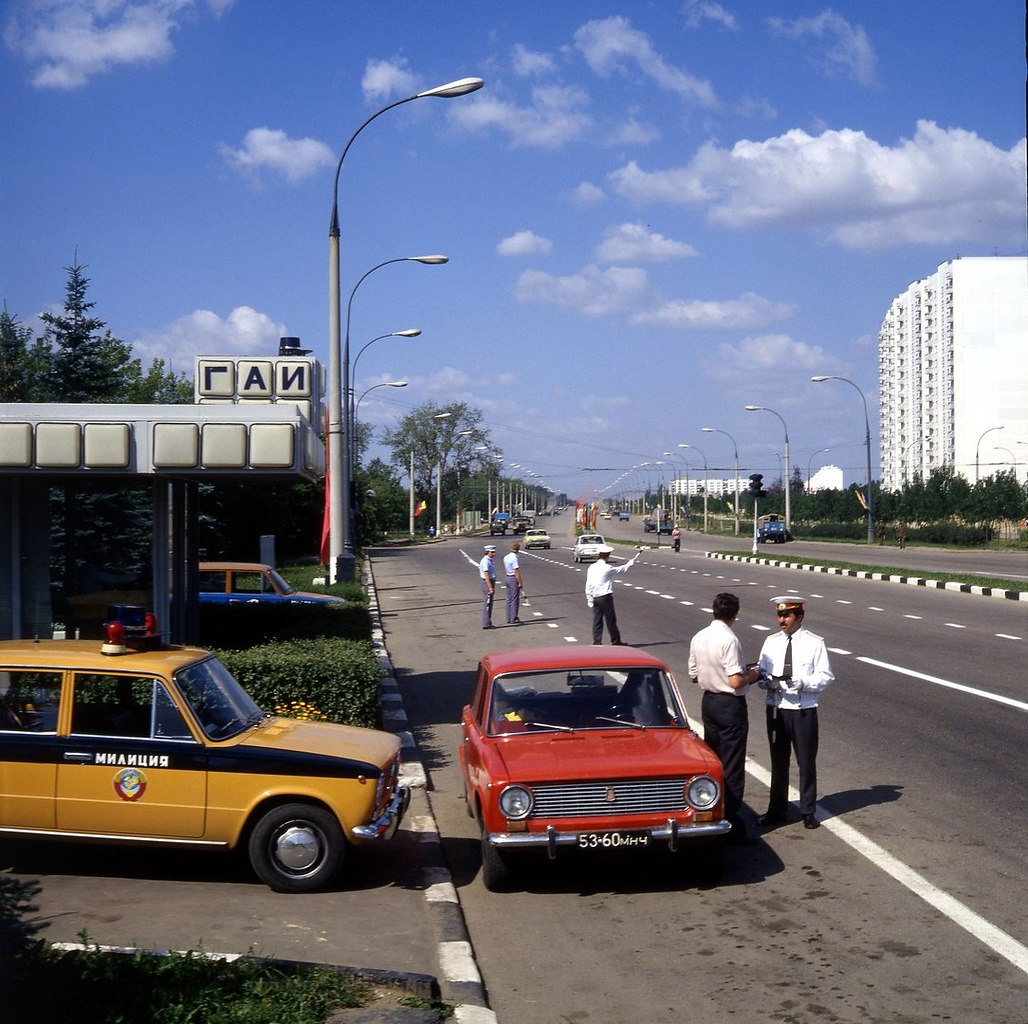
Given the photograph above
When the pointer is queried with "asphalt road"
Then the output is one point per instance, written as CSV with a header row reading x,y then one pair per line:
x,y
906,905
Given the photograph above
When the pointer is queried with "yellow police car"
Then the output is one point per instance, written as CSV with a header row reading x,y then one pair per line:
x,y
160,745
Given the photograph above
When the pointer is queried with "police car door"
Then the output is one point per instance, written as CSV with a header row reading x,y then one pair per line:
x,y
130,765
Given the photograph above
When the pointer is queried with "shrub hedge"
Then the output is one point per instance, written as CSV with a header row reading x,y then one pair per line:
x,y
241,626
326,678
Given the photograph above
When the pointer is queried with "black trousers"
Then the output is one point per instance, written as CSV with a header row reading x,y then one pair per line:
x,y
726,727
789,731
603,612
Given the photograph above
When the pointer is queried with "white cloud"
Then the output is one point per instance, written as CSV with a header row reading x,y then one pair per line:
x,y
243,332
632,133
70,41
849,53
633,243
587,194
699,11
592,291
767,355
941,186
524,243
527,63
555,117
272,150
746,313
611,45
385,79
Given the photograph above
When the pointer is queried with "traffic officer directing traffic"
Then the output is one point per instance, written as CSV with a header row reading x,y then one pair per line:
x,y
794,670
487,573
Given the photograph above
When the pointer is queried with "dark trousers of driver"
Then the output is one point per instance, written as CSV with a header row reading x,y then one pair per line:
x,y
726,727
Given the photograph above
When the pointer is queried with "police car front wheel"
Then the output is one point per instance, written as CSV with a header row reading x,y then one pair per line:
x,y
297,848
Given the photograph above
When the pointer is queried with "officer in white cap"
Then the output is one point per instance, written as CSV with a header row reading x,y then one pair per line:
x,y
487,574
794,670
599,593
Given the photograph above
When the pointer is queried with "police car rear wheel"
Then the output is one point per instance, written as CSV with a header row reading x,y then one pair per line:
x,y
297,848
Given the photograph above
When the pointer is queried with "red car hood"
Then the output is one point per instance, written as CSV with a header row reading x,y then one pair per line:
x,y
606,754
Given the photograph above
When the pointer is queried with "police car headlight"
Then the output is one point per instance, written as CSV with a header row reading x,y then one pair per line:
x,y
702,792
516,802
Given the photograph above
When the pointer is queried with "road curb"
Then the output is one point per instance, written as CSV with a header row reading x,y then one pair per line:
x,y
460,981
862,574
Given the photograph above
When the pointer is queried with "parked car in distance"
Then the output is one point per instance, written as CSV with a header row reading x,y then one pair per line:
x,y
587,547
772,530
234,582
148,744
536,538
585,749
624,516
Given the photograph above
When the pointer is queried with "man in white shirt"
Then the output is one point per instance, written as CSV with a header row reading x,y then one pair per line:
x,y
794,670
512,571
599,593
487,575
717,665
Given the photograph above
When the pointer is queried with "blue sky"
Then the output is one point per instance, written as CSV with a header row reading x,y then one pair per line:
x,y
655,213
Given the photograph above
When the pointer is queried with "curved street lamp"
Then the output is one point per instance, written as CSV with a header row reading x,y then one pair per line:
x,y
341,560
735,449
978,446
706,482
810,460
788,470
867,424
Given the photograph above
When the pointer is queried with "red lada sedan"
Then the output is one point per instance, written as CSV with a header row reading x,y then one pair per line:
x,y
586,748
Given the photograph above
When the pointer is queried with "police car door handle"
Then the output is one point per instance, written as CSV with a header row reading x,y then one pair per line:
x,y
77,755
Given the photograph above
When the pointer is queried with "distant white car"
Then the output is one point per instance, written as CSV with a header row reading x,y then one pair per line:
x,y
535,539
587,547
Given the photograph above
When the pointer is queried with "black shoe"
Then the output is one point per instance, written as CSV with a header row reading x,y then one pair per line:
x,y
809,821
490,626
771,819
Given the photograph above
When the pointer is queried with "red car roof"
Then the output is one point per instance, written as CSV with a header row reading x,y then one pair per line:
x,y
569,656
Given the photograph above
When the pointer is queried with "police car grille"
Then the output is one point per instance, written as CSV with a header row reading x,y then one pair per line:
x,y
596,799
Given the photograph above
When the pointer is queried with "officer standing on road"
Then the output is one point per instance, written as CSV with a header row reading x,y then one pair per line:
x,y
487,573
794,670
716,664
599,593
512,569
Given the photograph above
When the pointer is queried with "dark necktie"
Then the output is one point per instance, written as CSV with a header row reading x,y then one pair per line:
x,y
787,664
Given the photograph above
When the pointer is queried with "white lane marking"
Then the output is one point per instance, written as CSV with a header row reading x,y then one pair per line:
x,y
995,938
875,608
763,629
687,603
571,639
947,683
843,602
954,625
839,650
1007,636
911,616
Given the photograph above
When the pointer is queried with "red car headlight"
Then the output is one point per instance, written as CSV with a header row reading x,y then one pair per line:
x,y
702,792
516,802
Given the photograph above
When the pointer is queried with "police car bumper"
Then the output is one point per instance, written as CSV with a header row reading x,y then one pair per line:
x,y
385,826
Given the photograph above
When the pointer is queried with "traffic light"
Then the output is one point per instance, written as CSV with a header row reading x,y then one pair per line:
x,y
757,485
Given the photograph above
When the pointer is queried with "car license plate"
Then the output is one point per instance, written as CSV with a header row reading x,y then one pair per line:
x,y
612,840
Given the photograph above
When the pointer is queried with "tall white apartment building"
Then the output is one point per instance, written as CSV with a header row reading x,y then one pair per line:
x,y
953,367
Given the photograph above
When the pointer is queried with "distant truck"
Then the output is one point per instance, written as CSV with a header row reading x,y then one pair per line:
x,y
772,530
499,523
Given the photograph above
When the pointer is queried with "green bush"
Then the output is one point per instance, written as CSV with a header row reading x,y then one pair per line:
x,y
243,625
336,677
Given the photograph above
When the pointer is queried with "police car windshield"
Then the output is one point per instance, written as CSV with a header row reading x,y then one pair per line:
x,y
221,706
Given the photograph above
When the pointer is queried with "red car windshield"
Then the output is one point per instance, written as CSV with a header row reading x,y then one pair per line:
x,y
566,701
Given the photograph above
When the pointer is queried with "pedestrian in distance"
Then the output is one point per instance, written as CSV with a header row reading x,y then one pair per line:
x,y
487,575
599,594
676,537
794,669
901,534
717,666
512,571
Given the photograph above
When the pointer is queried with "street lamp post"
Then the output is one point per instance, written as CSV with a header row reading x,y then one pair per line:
x,y
978,447
788,470
341,561
735,449
867,441
439,478
706,481
810,460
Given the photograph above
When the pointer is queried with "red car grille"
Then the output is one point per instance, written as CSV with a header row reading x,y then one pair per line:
x,y
596,799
